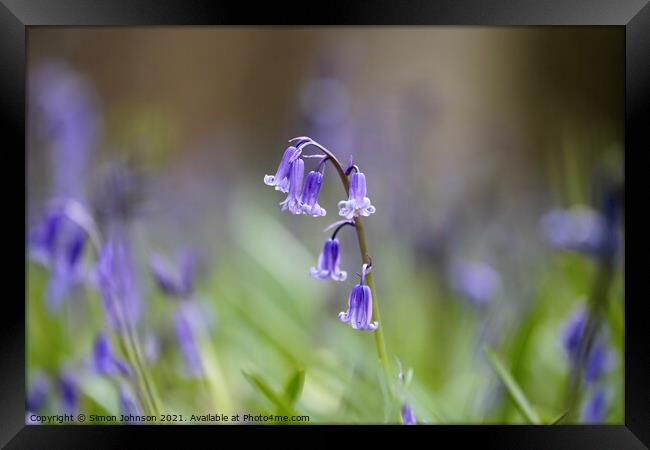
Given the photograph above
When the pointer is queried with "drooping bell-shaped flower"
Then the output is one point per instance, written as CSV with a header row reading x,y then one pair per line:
x,y
281,178
37,393
357,204
597,361
174,282
309,197
408,417
328,263
183,324
104,360
595,408
292,202
476,281
359,313
69,389
116,281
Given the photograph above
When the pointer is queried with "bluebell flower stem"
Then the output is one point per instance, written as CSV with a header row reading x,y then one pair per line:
x,y
129,347
363,248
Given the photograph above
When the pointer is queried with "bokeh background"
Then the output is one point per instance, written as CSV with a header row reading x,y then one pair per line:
x,y
489,155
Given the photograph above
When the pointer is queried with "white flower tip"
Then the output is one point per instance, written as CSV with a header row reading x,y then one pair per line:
x,y
343,317
269,180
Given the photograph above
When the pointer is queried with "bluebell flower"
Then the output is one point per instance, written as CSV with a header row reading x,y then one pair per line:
x,y
58,243
183,323
281,179
151,348
476,281
292,202
597,361
116,280
69,389
309,197
595,409
104,360
67,117
37,393
171,282
572,333
579,229
408,417
358,204
118,193
129,406
43,239
328,263
359,313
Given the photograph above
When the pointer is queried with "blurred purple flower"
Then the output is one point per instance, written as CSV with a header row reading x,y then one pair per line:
x,y
579,229
129,406
595,409
476,281
408,417
309,197
68,118
597,362
117,193
281,179
183,324
151,348
104,360
292,202
358,204
37,393
328,263
116,281
174,282
69,389
58,243
359,313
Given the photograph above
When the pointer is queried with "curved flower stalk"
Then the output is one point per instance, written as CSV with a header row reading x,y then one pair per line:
x,y
363,312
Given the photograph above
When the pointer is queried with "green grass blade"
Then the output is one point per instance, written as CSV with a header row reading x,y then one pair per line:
x,y
513,388
293,389
559,418
262,386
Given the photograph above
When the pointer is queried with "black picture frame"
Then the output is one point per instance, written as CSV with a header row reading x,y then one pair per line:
x,y
17,15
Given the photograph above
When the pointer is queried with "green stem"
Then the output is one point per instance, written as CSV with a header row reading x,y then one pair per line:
x,y
363,249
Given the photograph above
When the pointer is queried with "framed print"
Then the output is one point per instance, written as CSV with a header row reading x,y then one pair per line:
x,y
349,220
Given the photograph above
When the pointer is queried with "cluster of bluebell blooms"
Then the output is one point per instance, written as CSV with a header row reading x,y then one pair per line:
x,y
62,239
302,198
593,233
598,361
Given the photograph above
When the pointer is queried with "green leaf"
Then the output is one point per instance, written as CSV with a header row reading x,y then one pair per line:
x,y
513,388
262,386
294,385
559,418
